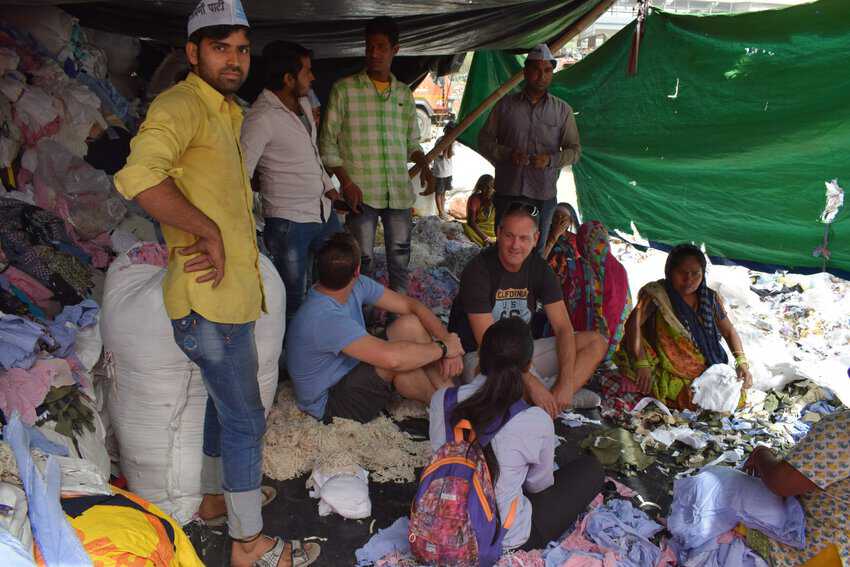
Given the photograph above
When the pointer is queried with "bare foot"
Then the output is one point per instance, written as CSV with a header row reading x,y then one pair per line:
x,y
212,506
243,554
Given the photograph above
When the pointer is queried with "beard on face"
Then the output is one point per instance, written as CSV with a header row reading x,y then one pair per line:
x,y
218,79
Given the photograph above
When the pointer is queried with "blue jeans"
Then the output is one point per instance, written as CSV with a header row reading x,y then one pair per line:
x,y
292,246
397,227
235,420
547,212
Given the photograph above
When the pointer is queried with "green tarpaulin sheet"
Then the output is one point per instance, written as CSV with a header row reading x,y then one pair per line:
x,y
726,135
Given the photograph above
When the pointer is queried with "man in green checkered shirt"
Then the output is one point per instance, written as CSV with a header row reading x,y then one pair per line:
x,y
369,134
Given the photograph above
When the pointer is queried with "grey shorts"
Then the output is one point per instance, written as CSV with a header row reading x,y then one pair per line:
x,y
442,184
361,395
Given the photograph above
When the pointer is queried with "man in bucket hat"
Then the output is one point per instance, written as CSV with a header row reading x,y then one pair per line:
x,y
186,170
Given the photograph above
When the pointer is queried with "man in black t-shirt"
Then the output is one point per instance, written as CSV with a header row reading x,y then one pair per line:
x,y
508,280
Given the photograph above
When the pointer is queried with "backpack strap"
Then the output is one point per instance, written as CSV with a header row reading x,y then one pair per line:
x,y
449,403
511,516
516,408
456,432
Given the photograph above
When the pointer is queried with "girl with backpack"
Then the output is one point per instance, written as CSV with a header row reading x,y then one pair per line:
x,y
535,503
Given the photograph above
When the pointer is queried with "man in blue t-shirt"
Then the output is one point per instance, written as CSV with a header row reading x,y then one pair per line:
x,y
338,369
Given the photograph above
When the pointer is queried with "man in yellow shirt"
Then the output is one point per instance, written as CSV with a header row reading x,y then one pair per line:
x,y
186,170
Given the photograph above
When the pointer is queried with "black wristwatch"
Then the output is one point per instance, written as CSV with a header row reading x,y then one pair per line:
x,y
443,346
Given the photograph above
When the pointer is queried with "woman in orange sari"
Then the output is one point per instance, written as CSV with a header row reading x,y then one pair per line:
x,y
673,335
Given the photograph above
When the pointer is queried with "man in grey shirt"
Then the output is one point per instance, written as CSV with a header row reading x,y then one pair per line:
x,y
529,137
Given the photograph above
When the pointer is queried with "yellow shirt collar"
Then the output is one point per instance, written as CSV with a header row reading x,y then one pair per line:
x,y
211,97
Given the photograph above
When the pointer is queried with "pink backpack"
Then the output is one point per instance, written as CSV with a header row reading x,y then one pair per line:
x,y
454,519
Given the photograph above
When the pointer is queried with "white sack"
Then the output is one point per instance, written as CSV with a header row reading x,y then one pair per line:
x,y
157,399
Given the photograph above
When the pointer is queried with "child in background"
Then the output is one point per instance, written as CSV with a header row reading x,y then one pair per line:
x,y
441,169
480,213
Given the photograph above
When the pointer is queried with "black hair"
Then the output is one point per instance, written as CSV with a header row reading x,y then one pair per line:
x,y
383,25
678,255
282,58
504,356
482,181
338,260
572,212
216,33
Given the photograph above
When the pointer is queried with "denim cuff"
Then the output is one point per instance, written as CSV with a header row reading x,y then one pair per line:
x,y
211,473
244,513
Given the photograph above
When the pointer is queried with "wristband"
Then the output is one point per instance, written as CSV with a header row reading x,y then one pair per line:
x,y
741,360
643,363
443,346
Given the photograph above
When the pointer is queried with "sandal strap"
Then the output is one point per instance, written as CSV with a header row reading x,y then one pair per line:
x,y
298,553
272,557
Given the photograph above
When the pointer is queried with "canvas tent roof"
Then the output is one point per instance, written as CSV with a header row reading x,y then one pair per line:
x,y
334,28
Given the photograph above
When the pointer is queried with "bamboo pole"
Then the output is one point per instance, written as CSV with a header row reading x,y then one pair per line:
x,y
573,30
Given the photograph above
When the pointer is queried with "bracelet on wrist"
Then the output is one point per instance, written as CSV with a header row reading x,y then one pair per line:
x,y
443,347
643,363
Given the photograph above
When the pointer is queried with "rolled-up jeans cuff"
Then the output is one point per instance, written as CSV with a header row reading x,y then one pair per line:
x,y
244,513
211,474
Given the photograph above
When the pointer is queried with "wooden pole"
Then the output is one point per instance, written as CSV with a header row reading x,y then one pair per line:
x,y
573,30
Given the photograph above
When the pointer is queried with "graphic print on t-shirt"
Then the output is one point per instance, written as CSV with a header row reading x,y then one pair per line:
x,y
511,302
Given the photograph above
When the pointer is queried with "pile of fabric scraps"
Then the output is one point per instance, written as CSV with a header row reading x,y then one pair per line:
x,y
614,533
296,443
719,517
64,132
44,268
435,287
685,440
56,108
439,253
41,377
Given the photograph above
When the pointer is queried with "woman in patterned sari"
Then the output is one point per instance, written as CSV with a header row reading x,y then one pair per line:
x,y
673,334
595,284
599,299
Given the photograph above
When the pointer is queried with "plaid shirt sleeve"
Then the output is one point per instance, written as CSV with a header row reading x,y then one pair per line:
x,y
413,133
332,127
